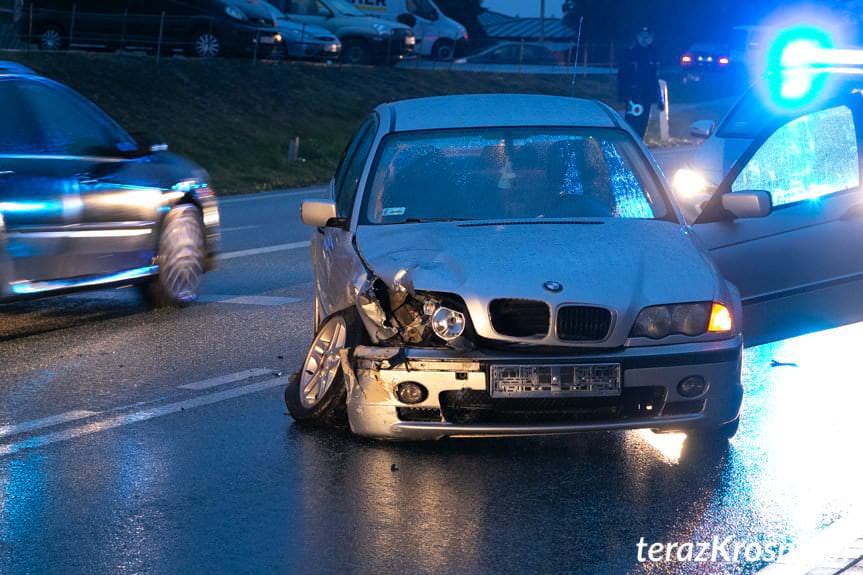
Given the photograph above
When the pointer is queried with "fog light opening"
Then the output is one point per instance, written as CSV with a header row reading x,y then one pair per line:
x,y
692,386
411,392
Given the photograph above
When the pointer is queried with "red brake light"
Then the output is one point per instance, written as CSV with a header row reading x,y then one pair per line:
x,y
686,59
723,61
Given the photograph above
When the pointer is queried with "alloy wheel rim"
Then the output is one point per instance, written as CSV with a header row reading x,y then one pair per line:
x,y
322,362
355,54
51,39
445,52
207,45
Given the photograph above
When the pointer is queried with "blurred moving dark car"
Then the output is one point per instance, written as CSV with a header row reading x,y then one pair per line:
x,y
85,205
515,53
203,28
706,57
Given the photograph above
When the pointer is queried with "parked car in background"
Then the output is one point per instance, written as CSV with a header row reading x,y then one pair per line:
x,y
304,41
84,205
204,28
365,39
706,57
438,36
515,53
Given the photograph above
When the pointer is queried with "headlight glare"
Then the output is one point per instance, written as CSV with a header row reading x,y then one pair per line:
x,y
447,324
689,184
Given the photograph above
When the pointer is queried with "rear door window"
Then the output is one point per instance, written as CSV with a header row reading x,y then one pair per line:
x,y
71,125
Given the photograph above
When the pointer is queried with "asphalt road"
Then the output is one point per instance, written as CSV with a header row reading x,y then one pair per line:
x,y
134,441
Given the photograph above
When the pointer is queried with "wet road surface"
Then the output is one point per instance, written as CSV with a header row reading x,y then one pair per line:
x,y
134,441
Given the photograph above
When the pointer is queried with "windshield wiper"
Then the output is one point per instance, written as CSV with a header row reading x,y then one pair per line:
x,y
428,220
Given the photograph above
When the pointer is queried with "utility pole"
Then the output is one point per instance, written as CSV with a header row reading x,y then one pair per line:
x,y
542,20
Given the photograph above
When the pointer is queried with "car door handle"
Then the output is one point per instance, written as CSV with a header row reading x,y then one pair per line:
x,y
855,211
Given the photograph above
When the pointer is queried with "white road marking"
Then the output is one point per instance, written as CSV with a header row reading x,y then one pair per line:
x,y
310,191
828,544
265,250
134,417
263,300
238,228
223,379
34,424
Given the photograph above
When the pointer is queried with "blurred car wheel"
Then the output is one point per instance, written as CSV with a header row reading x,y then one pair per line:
x,y
181,259
443,50
51,38
356,51
206,44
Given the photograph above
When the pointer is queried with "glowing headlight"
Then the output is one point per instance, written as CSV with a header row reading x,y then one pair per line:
x,y
447,323
235,13
690,319
689,184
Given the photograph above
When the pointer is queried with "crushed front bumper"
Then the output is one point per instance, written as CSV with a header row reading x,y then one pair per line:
x,y
459,402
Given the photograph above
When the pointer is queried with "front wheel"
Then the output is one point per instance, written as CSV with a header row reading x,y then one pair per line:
x,y
206,44
317,394
355,51
181,259
443,50
51,37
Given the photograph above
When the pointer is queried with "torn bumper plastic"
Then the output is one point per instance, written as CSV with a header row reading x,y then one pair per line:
x,y
459,401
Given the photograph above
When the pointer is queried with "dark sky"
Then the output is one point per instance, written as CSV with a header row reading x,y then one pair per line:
x,y
523,7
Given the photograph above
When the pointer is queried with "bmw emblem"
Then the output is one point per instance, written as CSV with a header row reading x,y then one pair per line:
x,y
553,286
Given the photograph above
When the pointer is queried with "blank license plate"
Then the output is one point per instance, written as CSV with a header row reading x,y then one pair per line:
x,y
585,380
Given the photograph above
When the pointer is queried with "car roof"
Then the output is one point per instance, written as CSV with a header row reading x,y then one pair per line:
x,y
496,110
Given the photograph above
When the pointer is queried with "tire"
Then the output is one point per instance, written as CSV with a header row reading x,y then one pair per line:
x,y
356,51
181,259
443,50
316,395
720,434
52,37
206,44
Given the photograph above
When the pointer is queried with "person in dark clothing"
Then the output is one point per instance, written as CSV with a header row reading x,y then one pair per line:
x,y
638,81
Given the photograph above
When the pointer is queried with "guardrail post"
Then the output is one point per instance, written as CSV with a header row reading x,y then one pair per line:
x,y
159,41
294,149
72,25
665,114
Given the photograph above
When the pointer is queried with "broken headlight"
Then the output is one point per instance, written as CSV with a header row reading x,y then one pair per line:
x,y
446,323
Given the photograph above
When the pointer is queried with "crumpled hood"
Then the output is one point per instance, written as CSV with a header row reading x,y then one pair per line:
x,y
624,265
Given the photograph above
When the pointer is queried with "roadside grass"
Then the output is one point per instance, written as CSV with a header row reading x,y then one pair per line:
x,y
236,118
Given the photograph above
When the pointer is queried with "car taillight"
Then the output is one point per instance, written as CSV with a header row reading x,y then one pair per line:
x,y
723,61
686,59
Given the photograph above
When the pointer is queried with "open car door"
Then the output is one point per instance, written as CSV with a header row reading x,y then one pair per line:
x,y
800,268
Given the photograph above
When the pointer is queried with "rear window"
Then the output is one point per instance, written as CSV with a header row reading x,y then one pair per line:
x,y
510,173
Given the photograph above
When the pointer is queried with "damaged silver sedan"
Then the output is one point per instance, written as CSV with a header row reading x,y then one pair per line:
x,y
511,265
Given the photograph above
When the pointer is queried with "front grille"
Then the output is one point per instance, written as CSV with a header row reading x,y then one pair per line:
x,y
583,323
519,317
469,406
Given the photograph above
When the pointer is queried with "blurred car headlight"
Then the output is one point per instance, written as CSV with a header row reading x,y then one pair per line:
x,y
691,319
382,29
689,184
235,13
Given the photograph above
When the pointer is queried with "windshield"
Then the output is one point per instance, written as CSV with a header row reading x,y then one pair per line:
x,y
494,174
422,8
345,7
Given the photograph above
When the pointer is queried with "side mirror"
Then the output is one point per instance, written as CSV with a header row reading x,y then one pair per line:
x,y
702,128
748,204
317,213
407,19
